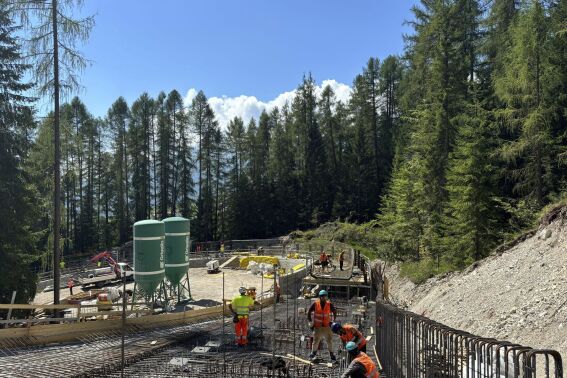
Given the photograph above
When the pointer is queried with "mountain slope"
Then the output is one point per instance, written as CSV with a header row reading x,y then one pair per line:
x,y
518,294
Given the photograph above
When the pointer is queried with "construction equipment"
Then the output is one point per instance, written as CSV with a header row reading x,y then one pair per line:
x,y
104,302
103,276
213,266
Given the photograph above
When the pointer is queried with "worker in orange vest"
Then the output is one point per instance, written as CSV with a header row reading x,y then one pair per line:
x,y
347,333
361,364
324,260
322,310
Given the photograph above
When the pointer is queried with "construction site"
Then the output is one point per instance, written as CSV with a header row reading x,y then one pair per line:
x,y
165,311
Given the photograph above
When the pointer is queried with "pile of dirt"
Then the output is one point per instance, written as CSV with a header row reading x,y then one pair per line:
x,y
518,294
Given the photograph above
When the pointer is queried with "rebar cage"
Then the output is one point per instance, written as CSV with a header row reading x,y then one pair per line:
x,y
413,346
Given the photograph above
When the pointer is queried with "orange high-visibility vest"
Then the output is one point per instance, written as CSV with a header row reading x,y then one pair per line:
x,y
350,333
370,370
322,316
323,257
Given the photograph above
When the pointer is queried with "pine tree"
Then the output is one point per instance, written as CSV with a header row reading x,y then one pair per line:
x,y
521,88
237,182
118,119
198,119
175,123
140,155
442,52
311,158
390,77
54,34
555,90
361,152
17,241
473,213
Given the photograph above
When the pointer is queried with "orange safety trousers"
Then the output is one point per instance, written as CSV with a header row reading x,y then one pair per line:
x,y
241,330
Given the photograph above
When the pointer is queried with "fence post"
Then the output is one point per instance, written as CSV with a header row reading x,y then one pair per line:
x,y
10,310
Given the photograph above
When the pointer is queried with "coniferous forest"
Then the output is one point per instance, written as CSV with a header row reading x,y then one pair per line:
x,y
446,149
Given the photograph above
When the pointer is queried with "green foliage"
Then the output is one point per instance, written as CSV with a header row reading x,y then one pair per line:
x,y
439,155
420,271
17,212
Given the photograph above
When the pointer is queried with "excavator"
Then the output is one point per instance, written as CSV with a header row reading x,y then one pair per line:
x,y
102,276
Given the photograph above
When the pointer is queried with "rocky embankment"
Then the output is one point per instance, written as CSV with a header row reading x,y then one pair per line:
x,y
518,294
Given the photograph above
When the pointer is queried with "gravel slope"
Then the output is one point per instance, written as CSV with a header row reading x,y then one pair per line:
x,y
519,294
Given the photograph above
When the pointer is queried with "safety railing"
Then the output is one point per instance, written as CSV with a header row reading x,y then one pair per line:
x,y
411,345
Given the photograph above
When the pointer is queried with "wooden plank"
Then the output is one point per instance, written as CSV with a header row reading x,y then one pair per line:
x,y
299,359
71,331
118,312
36,306
42,320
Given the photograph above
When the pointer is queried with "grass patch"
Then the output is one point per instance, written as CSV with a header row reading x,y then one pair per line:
x,y
420,271
359,236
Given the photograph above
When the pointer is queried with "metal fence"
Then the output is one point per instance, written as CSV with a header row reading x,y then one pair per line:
x,y
411,345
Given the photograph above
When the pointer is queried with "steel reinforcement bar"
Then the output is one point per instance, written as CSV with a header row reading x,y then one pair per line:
x,y
414,346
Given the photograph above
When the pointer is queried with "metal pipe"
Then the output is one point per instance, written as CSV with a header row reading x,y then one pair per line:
x,y
274,325
123,323
223,341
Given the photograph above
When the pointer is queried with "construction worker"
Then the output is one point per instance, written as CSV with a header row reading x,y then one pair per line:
x,y
62,264
361,365
277,292
322,310
70,284
347,333
221,249
324,260
240,308
341,259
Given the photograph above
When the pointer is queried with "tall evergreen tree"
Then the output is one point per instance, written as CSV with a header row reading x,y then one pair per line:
x,y
521,88
52,47
17,241
118,119
140,154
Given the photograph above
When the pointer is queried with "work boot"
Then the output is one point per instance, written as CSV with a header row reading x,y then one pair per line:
x,y
333,358
312,355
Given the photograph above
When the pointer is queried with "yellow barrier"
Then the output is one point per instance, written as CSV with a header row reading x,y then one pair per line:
x,y
281,272
259,259
298,267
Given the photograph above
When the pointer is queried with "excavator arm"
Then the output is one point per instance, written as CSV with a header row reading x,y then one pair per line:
x,y
109,259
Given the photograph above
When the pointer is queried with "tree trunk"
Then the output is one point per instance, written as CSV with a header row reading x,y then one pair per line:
x,y
56,165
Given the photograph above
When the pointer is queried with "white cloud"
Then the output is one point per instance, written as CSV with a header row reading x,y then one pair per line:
x,y
191,94
246,107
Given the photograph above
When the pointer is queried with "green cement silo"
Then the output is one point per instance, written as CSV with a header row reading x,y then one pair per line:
x,y
176,248
149,260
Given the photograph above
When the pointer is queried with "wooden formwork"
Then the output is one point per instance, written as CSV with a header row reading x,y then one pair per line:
x,y
49,333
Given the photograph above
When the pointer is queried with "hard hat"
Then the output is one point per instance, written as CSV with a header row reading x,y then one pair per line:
x,y
335,327
323,293
242,290
350,346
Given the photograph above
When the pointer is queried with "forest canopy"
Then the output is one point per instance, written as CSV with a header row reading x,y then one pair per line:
x,y
448,148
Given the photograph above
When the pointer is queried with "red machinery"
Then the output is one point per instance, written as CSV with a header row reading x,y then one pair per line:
x,y
106,256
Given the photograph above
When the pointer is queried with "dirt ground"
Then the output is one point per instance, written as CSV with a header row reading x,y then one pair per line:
x,y
205,288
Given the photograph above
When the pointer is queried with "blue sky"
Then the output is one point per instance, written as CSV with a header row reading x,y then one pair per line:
x,y
237,49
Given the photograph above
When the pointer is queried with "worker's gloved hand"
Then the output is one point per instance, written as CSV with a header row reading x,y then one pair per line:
x,y
235,319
